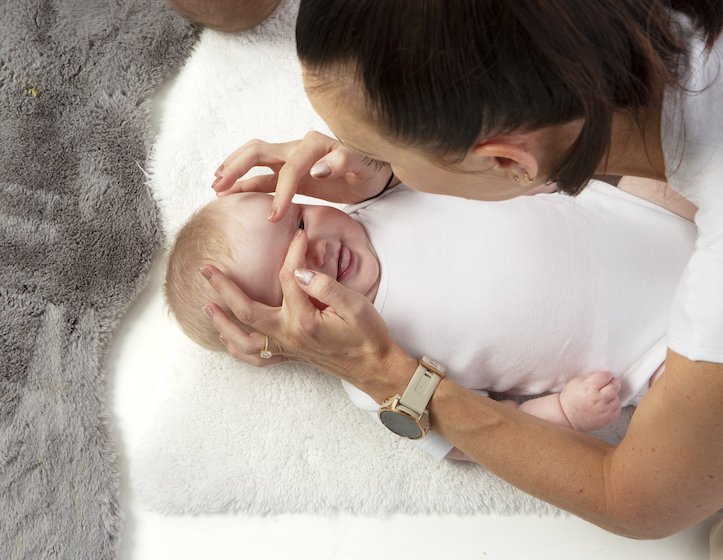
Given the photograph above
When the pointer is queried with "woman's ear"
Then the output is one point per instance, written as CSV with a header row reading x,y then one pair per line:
x,y
511,155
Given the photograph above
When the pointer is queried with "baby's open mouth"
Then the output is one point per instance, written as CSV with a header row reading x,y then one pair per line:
x,y
344,263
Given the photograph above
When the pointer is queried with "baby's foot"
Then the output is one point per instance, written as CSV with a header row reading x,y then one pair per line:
x,y
591,401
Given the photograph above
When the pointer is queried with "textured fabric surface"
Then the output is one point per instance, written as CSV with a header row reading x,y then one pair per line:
x,y
226,436
78,231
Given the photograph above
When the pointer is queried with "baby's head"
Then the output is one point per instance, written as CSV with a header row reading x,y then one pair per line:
x,y
225,15
233,234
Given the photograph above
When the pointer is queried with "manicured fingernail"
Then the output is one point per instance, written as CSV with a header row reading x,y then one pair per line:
x,y
208,310
213,185
303,275
320,170
223,340
218,171
205,272
273,212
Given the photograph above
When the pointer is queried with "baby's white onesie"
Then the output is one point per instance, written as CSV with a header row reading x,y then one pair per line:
x,y
520,296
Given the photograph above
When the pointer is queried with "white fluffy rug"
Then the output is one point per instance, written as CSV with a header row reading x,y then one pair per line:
x,y
230,437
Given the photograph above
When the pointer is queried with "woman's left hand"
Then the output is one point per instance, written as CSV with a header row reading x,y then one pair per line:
x,y
344,336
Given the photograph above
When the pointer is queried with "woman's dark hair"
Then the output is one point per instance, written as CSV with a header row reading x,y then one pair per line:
x,y
438,73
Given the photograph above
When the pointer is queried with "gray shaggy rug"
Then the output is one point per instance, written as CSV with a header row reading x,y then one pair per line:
x,y
78,231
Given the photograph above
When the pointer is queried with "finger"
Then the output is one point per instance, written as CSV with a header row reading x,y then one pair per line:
x,y
260,183
344,302
333,165
252,154
611,390
234,166
256,315
295,299
338,162
600,378
609,394
239,343
296,170
211,309
234,336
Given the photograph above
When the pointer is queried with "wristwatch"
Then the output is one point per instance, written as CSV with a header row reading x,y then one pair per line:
x,y
406,415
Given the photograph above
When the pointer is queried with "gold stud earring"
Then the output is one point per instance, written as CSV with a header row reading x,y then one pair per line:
x,y
516,178
528,178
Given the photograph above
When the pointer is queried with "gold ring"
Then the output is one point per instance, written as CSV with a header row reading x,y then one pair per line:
x,y
266,353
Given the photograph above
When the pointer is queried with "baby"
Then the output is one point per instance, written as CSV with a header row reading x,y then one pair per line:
x,y
535,290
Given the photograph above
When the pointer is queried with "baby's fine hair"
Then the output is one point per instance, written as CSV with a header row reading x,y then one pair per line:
x,y
202,240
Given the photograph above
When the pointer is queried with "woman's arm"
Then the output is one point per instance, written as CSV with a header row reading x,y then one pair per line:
x,y
665,475
586,403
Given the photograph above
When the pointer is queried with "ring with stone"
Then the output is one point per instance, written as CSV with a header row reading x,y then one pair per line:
x,y
266,353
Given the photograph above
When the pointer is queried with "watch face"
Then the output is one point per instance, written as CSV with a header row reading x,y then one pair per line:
x,y
400,424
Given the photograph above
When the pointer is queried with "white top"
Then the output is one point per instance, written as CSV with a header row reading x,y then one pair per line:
x,y
692,133
520,296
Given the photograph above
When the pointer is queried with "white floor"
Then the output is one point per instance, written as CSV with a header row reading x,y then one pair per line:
x,y
134,366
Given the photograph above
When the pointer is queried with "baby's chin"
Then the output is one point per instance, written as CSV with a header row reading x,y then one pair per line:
x,y
369,292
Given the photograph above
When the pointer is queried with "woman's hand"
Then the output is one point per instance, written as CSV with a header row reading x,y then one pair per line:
x,y
347,337
317,166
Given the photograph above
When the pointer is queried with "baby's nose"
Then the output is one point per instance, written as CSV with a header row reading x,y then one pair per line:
x,y
316,252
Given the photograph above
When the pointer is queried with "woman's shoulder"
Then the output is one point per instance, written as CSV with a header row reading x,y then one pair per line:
x,y
692,119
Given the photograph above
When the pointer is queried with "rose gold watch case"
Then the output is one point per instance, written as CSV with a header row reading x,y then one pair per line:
x,y
392,406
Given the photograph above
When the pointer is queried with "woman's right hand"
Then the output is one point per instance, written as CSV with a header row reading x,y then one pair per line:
x,y
345,335
317,166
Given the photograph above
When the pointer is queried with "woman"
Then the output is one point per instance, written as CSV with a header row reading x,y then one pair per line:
x,y
492,100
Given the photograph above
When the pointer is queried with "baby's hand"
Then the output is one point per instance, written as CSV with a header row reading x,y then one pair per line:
x,y
591,401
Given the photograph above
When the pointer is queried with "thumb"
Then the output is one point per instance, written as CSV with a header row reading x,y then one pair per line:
x,y
328,292
338,162
320,170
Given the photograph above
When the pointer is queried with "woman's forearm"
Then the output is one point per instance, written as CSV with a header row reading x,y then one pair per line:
x,y
553,463
663,477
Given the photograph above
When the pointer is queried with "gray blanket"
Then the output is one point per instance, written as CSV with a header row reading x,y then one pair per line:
x,y
78,231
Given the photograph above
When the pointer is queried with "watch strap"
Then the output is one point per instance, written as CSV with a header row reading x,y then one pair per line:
x,y
421,387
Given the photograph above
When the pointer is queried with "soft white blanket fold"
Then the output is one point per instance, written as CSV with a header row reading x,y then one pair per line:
x,y
230,437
